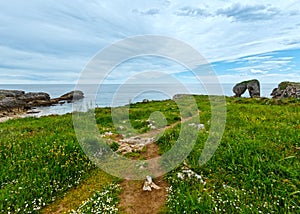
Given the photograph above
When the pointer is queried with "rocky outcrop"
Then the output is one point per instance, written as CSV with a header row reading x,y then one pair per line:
x,y
253,87
15,102
36,99
11,93
69,97
10,105
286,90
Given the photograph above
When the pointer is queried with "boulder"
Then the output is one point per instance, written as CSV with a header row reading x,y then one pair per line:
x,y
286,90
149,184
252,86
11,93
31,96
36,99
69,97
11,104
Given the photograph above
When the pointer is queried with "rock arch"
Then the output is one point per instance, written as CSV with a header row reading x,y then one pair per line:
x,y
253,87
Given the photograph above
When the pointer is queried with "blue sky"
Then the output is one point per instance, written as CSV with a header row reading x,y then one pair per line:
x,y
52,41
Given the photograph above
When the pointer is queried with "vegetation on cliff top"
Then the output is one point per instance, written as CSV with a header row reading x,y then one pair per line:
x,y
255,169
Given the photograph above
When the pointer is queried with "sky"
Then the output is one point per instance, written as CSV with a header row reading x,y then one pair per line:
x,y
47,42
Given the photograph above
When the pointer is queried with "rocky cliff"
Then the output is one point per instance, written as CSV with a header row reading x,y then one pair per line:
x,y
15,101
287,89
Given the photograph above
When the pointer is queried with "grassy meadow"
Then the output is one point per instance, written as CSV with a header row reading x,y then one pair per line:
x,y
254,170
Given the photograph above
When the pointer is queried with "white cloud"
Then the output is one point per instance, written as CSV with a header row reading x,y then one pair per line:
x,y
192,12
149,12
249,13
41,36
257,71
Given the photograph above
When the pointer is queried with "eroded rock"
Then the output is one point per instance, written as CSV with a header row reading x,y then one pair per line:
x,y
16,101
252,86
286,90
149,184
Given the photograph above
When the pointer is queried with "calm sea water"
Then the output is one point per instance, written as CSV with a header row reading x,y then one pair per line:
x,y
117,95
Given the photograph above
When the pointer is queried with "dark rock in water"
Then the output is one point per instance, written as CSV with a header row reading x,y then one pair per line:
x,y
253,87
11,104
14,101
11,93
36,99
286,90
33,112
29,97
69,97
61,102
73,95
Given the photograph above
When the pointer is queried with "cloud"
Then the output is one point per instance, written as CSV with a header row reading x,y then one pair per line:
x,y
41,38
192,12
249,13
257,71
149,12
271,67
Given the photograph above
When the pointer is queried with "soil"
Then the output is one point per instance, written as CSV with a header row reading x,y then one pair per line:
x,y
134,200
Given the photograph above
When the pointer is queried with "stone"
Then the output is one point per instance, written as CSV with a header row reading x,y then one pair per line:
x,y
133,144
252,86
198,126
239,89
11,93
11,104
149,184
16,101
34,96
72,96
286,90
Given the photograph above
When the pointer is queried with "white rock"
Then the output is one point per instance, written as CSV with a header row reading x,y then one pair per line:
x,y
149,184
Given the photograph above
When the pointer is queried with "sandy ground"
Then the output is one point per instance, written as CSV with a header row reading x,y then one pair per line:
x,y
11,117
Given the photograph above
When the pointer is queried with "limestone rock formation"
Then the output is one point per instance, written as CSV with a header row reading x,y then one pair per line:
x,y
253,87
15,101
287,89
149,184
72,96
36,99
11,93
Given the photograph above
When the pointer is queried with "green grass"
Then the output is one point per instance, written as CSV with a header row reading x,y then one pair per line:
x,y
40,158
255,168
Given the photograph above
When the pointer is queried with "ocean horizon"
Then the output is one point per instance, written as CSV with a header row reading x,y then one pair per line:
x,y
111,95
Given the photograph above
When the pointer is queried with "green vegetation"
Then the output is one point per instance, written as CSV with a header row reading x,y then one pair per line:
x,y
284,85
254,170
104,201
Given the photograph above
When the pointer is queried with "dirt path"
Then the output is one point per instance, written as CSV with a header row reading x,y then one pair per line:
x,y
134,200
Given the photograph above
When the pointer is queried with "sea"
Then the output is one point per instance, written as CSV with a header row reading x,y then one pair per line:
x,y
111,95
